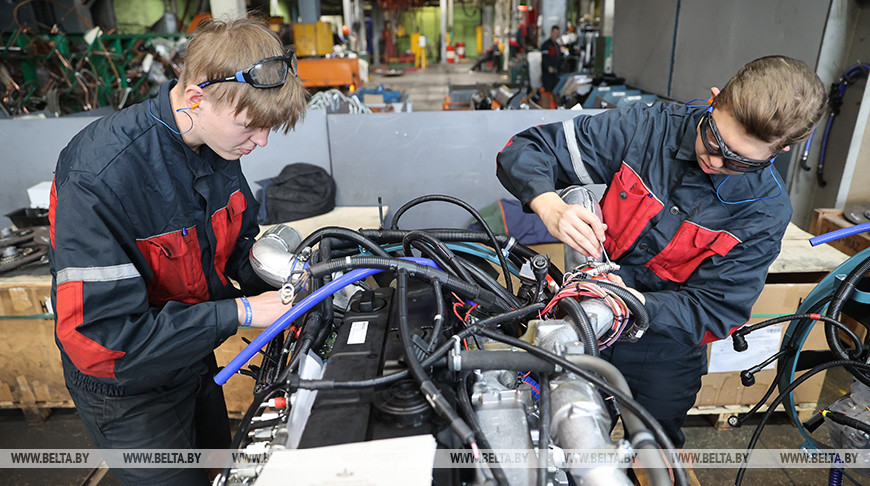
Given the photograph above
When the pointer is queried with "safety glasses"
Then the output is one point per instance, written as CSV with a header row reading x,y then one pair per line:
x,y
265,73
714,144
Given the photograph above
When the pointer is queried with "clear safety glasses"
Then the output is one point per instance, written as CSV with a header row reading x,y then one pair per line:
x,y
714,144
270,72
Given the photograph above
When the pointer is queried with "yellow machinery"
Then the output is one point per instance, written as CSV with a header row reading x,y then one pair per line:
x,y
333,72
313,41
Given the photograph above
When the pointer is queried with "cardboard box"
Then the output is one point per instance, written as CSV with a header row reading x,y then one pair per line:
x,y
725,388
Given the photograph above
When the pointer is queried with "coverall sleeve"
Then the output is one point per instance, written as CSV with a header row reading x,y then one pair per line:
x,y
585,150
717,298
104,321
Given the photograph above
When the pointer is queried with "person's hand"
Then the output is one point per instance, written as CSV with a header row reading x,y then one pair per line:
x,y
266,308
571,224
618,281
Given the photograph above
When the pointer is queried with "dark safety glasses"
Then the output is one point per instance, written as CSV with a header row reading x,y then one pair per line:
x,y
714,144
265,73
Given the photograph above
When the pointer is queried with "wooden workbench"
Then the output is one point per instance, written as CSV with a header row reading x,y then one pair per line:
x,y
799,257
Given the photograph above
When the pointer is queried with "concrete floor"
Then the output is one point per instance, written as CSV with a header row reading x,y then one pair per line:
x,y
428,87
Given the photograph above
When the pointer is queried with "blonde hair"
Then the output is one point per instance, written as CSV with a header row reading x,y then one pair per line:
x,y
219,49
776,99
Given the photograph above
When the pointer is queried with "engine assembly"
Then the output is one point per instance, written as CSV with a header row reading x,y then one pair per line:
x,y
471,359
396,335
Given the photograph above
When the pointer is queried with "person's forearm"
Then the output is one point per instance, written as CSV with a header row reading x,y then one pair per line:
x,y
545,204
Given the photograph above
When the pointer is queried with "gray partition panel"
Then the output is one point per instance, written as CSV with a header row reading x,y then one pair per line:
x,y
30,150
405,155
643,37
715,38
306,143
31,147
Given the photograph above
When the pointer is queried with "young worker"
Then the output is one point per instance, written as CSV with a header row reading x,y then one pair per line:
x,y
694,212
151,218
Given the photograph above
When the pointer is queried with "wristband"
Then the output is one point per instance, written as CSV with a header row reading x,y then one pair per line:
x,y
249,315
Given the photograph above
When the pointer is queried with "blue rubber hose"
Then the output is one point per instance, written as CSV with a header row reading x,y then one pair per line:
x,y
294,313
291,315
840,233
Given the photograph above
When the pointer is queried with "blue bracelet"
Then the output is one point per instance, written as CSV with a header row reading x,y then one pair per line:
x,y
249,315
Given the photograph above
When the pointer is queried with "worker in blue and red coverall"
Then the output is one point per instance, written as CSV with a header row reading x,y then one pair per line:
x,y
151,221
694,213
551,60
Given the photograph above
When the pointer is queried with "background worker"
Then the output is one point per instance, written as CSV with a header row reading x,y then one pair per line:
x,y
551,60
151,218
694,213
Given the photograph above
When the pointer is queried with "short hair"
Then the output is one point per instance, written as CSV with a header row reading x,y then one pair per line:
x,y
776,99
555,27
219,49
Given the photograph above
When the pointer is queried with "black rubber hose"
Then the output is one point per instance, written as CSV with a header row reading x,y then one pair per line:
x,y
504,360
778,400
843,419
544,436
839,299
271,364
582,325
468,290
462,387
385,236
440,352
638,311
464,205
427,251
484,279
429,390
440,315
345,234
438,248
829,321
738,421
306,337
623,399
327,305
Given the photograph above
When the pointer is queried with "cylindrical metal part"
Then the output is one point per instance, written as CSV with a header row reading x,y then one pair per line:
x,y
580,421
599,314
551,335
272,255
580,196
502,415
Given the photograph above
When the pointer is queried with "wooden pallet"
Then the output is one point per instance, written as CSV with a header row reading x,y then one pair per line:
x,y
33,398
719,415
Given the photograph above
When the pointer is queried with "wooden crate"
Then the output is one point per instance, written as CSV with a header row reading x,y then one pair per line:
x,y
31,377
